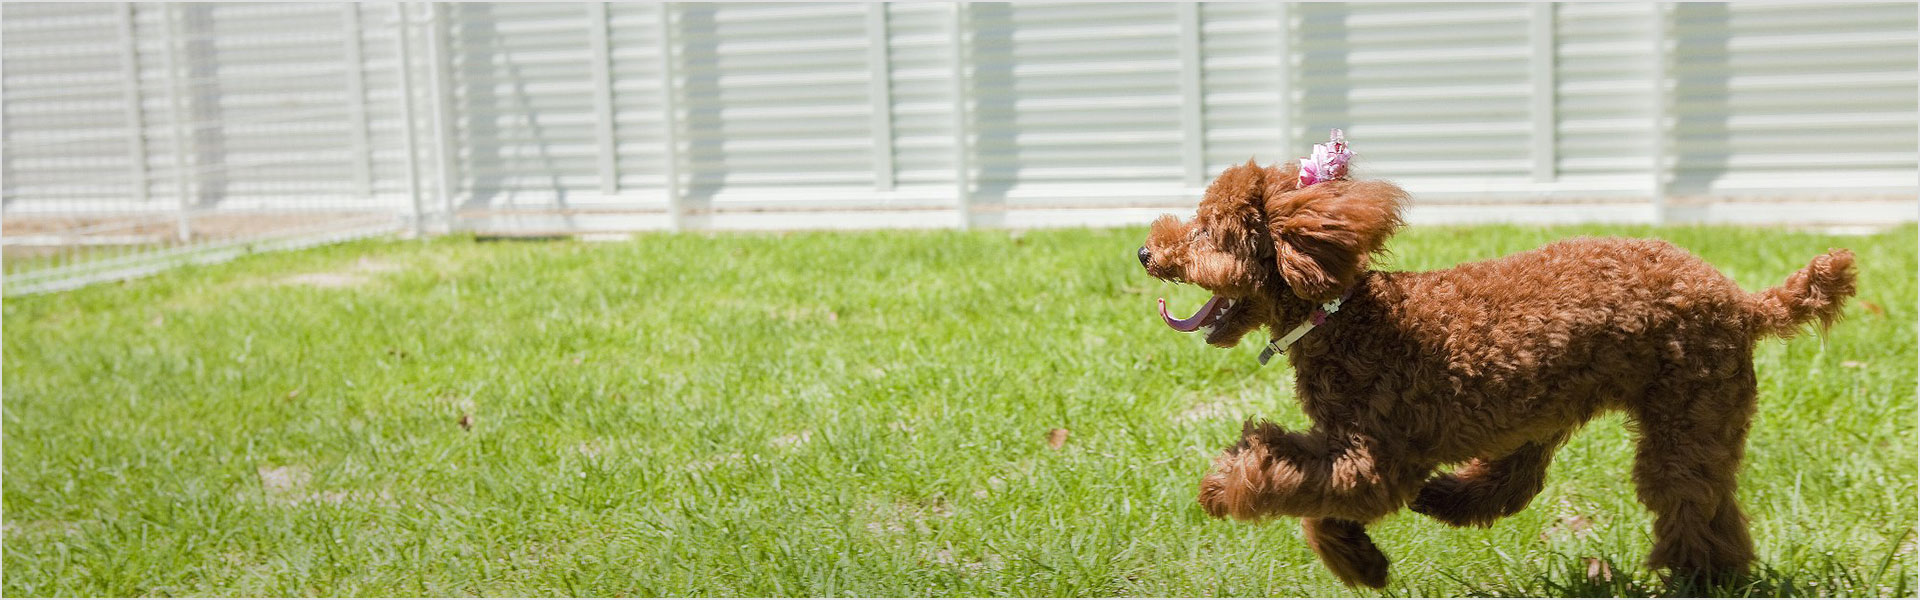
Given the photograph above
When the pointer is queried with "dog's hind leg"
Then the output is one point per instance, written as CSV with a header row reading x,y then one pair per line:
x,y
1347,551
1692,438
1484,490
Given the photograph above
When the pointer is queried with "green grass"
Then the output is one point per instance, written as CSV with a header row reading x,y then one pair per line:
x,y
819,415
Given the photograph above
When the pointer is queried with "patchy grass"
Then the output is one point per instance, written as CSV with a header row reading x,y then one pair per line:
x,y
818,415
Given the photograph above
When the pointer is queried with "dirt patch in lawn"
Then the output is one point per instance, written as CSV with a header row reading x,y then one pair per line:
x,y
291,486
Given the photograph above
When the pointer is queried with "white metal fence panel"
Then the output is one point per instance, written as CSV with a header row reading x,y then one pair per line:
x,y
258,95
523,114
72,107
640,107
1604,98
1438,91
1067,95
1772,99
919,64
771,97
140,135
1246,91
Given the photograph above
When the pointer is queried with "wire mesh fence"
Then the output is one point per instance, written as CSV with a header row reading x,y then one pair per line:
x,y
139,136
142,136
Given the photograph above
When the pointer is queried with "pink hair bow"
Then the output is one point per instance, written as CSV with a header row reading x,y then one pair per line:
x,y
1329,160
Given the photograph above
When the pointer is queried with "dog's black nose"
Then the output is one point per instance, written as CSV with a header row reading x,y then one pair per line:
x,y
1145,256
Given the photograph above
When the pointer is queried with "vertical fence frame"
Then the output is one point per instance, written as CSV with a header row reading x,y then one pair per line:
x,y
1661,27
962,128
601,70
669,119
130,93
176,115
1193,142
1544,101
356,76
441,88
880,91
1283,85
403,67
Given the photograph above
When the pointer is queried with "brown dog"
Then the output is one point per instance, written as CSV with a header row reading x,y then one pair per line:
x,y
1488,366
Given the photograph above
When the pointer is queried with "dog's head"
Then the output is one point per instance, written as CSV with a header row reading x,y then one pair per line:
x,y
1269,249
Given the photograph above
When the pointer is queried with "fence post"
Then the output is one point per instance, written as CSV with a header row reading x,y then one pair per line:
x,y
669,119
1545,98
1193,141
403,66
1661,29
880,93
130,94
962,152
1284,36
171,37
602,68
357,101
440,86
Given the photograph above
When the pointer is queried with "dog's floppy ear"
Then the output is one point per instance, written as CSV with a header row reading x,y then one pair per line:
x,y
1324,233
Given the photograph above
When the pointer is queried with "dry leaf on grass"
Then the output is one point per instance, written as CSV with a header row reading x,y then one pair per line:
x,y
1598,570
1873,308
1057,438
466,421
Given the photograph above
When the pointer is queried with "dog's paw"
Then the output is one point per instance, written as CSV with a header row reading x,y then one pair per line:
x,y
1348,551
1371,573
1213,495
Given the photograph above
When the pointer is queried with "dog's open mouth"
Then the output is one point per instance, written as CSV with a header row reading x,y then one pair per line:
x,y
1208,316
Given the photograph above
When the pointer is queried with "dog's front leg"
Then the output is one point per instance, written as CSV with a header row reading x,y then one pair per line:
x,y
1321,473
1337,481
1347,551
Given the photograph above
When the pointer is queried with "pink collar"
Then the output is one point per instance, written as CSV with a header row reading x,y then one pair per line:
x,y
1315,319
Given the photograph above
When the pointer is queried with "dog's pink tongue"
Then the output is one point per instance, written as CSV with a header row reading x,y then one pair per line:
x,y
1190,323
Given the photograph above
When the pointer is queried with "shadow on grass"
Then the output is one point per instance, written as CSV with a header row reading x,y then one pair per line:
x,y
1597,577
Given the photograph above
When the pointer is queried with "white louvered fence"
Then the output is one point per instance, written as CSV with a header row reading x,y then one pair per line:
x,y
141,136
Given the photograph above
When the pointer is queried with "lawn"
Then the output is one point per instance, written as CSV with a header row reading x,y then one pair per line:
x,y
817,414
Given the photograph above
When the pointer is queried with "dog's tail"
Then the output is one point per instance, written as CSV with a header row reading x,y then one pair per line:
x,y
1816,292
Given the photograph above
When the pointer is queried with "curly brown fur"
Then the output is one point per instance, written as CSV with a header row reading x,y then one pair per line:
x,y
1488,366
